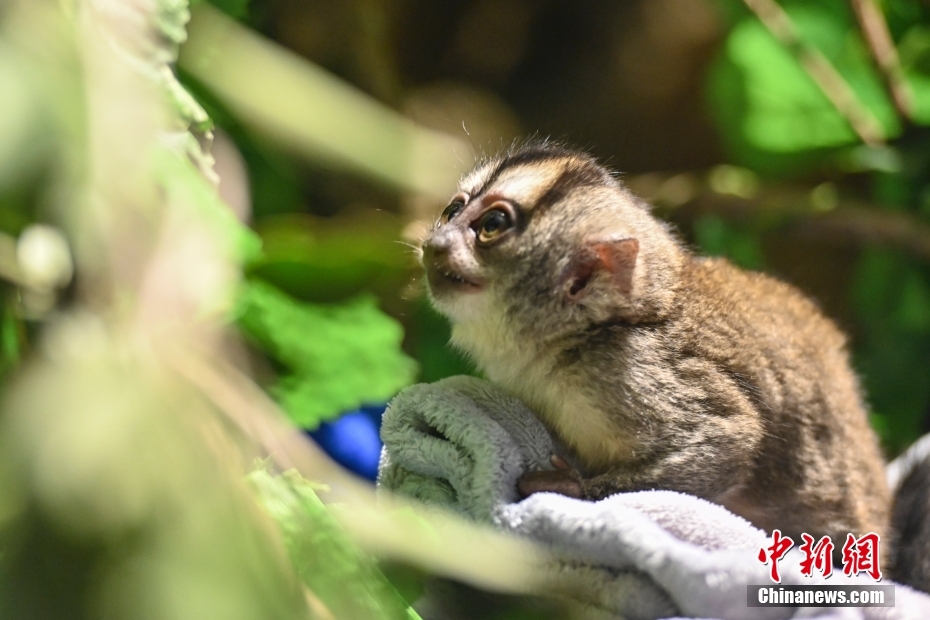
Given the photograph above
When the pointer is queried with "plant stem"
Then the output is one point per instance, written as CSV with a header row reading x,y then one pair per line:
x,y
824,74
877,36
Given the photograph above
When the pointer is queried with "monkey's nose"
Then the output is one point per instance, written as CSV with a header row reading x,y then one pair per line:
x,y
434,252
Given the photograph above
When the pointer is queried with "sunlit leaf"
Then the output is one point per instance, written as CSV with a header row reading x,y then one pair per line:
x,y
764,100
337,357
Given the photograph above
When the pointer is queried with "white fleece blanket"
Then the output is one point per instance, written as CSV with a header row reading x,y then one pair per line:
x,y
462,443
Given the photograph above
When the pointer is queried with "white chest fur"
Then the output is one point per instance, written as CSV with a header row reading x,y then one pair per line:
x,y
555,394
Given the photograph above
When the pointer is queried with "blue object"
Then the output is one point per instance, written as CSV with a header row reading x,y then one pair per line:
x,y
352,440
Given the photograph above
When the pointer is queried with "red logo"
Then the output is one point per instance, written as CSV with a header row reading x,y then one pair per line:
x,y
819,556
860,555
780,546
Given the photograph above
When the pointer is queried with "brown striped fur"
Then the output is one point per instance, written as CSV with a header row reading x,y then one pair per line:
x,y
692,375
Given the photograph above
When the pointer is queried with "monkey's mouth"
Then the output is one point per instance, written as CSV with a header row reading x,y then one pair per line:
x,y
449,275
442,278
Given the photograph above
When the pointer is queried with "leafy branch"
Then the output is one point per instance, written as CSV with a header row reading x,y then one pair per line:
x,y
819,68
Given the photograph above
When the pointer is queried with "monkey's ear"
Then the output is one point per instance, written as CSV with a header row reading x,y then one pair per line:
x,y
616,258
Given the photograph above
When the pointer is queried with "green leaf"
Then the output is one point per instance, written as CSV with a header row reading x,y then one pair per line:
x,y
787,111
337,357
347,581
764,101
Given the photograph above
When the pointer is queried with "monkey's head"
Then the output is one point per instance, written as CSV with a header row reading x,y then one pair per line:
x,y
543,241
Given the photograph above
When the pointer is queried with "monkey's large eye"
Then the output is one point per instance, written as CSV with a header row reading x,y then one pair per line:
x,y
454,208
493,224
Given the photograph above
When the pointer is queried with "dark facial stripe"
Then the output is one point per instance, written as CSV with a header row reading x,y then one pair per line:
x,y
576,174
523,156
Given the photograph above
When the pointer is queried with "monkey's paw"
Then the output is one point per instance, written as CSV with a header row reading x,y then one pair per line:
x,y
564,481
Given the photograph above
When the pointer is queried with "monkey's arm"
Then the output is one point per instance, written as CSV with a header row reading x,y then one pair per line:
x,y
707,445
706,467
708,426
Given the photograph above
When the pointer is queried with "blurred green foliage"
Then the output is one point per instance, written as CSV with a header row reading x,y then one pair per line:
x,y
335,357
717,237
771,113
238,9
112,507
183,183
765,101
331,259
892,297
347,581
120,494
